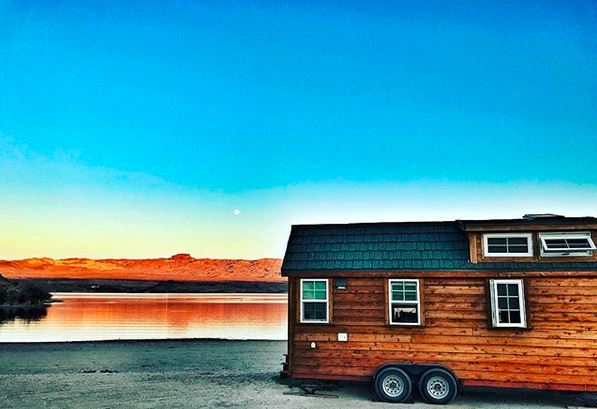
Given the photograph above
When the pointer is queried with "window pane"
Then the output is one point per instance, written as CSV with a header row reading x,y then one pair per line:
x,y
411,296
397,296
314,311
320,285
501,289
578,244
520,241
503,317
308,285
314,290
503,303
496,240
513,303
497,249
410,286
398,286
319,294
518,249
512,289
515,317
556,244
404,313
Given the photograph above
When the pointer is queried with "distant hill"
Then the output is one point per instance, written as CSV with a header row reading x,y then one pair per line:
x,y
180,267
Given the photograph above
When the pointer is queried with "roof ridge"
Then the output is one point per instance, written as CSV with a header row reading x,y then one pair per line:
x,y
424,222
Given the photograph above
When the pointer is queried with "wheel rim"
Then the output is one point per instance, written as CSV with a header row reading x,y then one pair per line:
x,y
393,385
437,387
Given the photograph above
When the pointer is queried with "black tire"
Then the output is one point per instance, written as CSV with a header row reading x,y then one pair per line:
x,y
392,384
438,386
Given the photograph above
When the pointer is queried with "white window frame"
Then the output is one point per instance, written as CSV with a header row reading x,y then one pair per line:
x,y
566,252
418,301
326,301
528,236
495,306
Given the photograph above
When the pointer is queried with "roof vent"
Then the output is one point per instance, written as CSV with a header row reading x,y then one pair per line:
x,y
541,216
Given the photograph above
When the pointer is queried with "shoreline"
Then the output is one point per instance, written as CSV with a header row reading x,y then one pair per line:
x,y
26,306
142,341
68,285
137,341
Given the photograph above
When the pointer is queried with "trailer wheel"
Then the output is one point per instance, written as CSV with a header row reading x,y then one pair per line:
x,y
392,384
438,386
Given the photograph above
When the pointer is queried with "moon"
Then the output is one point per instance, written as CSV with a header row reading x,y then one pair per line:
x,y
236,212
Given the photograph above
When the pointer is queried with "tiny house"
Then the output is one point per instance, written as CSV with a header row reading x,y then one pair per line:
x,y
436,306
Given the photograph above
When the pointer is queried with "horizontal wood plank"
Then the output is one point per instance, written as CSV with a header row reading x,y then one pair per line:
x,y
558,350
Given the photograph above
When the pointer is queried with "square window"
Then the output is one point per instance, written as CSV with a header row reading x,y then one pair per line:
x,y
566,244
315,311
314,301
404,302
507,303
405,313
507,244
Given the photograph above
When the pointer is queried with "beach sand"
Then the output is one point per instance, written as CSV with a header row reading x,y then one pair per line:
x,y
191,374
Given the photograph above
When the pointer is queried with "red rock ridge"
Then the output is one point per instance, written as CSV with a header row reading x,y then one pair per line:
x,y
180,267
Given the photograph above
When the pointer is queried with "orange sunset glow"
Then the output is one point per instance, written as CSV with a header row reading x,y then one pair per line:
x,y
181,267
101,317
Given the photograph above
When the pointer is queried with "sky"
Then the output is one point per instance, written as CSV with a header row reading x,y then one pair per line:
x,y
146,129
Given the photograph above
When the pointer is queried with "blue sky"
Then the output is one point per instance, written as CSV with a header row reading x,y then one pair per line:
x,y
136,130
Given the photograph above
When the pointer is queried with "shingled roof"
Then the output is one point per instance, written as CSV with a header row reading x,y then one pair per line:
x,y
409,246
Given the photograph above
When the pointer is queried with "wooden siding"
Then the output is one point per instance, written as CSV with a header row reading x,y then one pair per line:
x,y
477,251
559,351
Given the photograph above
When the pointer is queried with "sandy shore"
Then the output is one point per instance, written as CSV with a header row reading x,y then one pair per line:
x,y
190,374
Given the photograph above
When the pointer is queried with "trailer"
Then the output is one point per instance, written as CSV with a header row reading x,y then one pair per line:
x,y
437,306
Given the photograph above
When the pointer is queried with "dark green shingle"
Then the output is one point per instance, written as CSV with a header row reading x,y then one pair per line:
x,y
425,246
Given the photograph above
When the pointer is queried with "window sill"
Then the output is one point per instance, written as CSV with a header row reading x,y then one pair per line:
x,y
527,328
314,322
420,325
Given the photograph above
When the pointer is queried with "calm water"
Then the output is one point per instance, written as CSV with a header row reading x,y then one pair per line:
x,y
108,316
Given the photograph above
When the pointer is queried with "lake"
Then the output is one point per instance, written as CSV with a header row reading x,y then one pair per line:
x,y
111,316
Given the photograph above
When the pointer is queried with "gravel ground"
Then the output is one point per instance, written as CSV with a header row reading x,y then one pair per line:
x,y
192,374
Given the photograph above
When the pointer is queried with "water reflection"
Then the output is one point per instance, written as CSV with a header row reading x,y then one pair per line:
x,y
27,314
85,316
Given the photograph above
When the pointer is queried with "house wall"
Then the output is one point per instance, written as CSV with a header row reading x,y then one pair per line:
x,y
559,351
